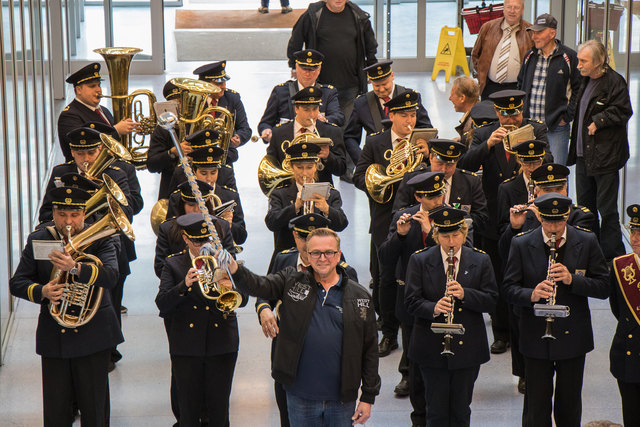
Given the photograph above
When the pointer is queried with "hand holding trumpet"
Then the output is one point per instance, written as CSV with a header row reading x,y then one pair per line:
x,y
497,136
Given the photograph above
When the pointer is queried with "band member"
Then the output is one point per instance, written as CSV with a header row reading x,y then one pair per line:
x,y
74,359
464,289
331,156
215,73
326,319
203,341
205,163
369,109
625,347
280,107
86,107
487,151
296,257
285,203
402,113
578,272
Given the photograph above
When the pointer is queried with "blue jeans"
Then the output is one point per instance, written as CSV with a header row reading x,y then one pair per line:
x,y
283,3
559,143
319,413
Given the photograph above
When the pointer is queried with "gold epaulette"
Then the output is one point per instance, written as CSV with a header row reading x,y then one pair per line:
x,y
66,108
479,250
230,90
168,219
420,250
484,125
524,232
582,228
114,167
175,191
376,133
229,188
327,86
288,251
227,166
333,124
177,253
344,264
282,84
467,172
510,179
281,123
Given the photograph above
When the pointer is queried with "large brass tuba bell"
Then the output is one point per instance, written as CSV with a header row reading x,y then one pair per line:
x,y
158,214
100,199
81,301
118,60
111,151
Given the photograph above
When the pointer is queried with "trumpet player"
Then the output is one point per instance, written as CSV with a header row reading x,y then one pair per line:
x,y
463,287
306,106
74,360
86,107
579,272
203,342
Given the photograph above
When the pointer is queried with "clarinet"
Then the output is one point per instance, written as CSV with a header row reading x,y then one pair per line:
x,y
449,316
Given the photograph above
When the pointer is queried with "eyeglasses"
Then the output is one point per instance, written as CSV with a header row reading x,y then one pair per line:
x,y
318,254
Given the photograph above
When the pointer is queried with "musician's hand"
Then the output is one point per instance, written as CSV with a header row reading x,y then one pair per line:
x,y
560,273
442,306
423,146
184,146
362,414
235,140
126,126
299,203
404,224
266,135
225,282
320,204
324,151
423,218
543,290
517,218
457,138
191,277
53,291
321,117
269,324
592,129
456,289
496,137
227,216
62,260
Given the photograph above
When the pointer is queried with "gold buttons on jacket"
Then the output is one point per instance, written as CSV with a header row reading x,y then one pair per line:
x,y
566,332
459,309
215,324
63,331
628,353
207,308
75,330
191,325
460,342
195,307
630,336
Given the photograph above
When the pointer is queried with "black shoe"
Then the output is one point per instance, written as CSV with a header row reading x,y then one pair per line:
x,y
402,389
123,309
387,344
521,385
499,347
112,366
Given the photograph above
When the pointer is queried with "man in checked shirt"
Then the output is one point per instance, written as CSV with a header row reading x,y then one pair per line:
x,y
550,76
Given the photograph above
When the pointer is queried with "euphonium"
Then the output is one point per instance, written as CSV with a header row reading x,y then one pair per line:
x,y
194,113
111,151
118,60
81,301
99,200
208,282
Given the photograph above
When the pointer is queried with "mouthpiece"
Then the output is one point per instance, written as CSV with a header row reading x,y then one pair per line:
x,y
255,138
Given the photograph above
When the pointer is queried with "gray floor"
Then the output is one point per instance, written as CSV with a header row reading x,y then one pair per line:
x,y
140,384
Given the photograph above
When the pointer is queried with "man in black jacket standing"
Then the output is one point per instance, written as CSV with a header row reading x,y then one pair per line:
x,y
549,74
599,145
342,32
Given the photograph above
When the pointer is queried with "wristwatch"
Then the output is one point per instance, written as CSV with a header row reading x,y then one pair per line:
x,y
76,268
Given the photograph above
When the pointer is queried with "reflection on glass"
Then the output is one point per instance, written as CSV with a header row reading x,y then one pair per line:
x,y
439,14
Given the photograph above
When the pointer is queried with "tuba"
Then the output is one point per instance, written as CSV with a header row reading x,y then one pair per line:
x,y
100,199
111,151
208,283
158,214
118,60
81,301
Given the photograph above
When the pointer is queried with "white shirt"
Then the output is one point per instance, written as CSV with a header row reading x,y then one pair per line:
x,y
89,106
300,264
445,257
395,138
297,126
447,189
547,240
513,66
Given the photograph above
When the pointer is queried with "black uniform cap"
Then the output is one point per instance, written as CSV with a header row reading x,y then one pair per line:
x,y
194,226
84,139
169,90
214,71
305,224
553,206
379,71
309,58
75,180
85,74
430,184
207,157
403,102
508,102
447,150
550,175
634,216
203,138
303,152
448,219
68,197
187,195
483,113
308,95
530,151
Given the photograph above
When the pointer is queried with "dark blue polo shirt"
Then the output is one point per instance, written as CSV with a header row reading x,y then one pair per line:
x,y
320,365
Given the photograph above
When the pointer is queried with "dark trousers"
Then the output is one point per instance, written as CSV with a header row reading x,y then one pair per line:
x,y
491,87
599,193
281,400
500,317
374,270
346,96
387,293
116,301
353,150
83,379
517,359
540,390
630,395
416,385
448,395
209,376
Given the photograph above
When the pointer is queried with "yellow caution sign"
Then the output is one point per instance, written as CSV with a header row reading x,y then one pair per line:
x,y
450,53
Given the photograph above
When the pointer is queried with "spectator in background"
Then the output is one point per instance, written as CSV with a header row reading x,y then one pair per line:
x,y
341,31
264,6
465,93
550,76
499,49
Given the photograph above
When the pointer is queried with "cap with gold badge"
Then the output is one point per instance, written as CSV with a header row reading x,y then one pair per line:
x,y
84,139
430,184
207,157
550,175
405,101
308,95
85,74
530,151
187,195
447,150
508,102
68,198
303,152
634,216
170,91
75,180
483,113
305,224
194,226
213,72
448,219
203,138
379,71
308,58
553,206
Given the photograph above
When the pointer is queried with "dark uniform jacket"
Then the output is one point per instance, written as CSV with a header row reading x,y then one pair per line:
x,y
368,115
74,116
53,340
426,280
466,194
495,167
226,178
298,292
280,106
625,348
303,35
232,102
610,109
527,266
238,227
335,164
196,327
170,241
282,209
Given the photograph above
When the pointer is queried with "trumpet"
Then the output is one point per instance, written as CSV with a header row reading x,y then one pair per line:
x,y
209,283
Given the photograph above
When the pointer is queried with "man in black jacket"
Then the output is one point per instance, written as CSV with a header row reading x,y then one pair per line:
x,y
327,318
599,145
549,74
328,27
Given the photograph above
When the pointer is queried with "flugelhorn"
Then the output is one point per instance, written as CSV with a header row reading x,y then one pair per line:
x,y
516,135
208,281
449,328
